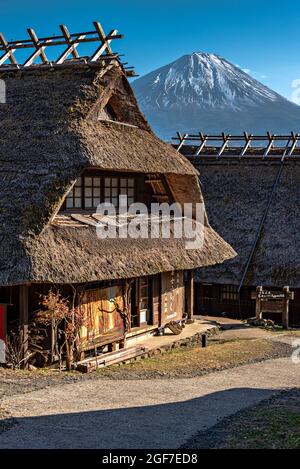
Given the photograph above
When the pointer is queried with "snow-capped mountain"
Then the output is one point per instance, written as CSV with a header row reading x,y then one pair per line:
x,y
204,92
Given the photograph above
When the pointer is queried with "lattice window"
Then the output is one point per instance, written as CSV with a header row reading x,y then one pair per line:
x,y
229,293
89,191
92,192
127,188
74,198
144,300
114,187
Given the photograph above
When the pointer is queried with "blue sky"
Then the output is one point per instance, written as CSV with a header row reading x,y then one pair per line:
x,y
262,37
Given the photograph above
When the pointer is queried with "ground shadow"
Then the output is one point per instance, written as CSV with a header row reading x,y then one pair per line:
x,y
153,426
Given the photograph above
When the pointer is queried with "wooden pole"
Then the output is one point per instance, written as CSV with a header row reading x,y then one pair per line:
x,y
23,315
285,312
258,313
190,294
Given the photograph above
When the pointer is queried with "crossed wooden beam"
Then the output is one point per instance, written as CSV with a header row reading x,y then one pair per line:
x,y
200,142
72,41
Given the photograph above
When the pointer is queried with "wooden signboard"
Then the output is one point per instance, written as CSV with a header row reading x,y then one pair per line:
x,y
273,302
172,296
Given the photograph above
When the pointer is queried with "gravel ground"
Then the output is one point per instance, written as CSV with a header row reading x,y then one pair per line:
x,y
272,424
120,408
152,413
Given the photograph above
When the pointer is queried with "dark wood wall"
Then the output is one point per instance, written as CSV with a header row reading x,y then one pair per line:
x,y
209,300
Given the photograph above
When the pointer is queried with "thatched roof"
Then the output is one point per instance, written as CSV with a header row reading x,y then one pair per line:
x,y
48,135
236,194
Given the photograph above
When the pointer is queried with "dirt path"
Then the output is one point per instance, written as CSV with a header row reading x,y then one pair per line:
x,y
139,413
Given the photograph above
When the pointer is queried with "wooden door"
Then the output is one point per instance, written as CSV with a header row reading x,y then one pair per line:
x,y
102,322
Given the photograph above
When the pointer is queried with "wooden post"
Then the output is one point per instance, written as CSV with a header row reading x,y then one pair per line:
x,y
23,315
190,294
285,312
258,312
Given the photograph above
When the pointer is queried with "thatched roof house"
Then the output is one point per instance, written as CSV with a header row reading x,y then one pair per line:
x,y
252,203
49,134
73,129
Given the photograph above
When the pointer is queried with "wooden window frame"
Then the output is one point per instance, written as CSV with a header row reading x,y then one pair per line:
x,y
93,187
71,195
229,293
103,177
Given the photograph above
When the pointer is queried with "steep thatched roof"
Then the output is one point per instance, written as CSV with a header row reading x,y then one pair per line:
x,y
236,194
49,132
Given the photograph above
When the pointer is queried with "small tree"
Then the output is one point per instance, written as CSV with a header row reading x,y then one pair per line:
x,y
15,344
66,320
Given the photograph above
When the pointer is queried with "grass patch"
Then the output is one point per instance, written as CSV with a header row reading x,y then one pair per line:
x,y
272,424
195,361
271,428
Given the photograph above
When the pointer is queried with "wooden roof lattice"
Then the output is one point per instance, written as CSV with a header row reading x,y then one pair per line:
x,y
37,49
243,146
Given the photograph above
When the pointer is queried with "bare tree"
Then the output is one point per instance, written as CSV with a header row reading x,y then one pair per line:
x,y
65,318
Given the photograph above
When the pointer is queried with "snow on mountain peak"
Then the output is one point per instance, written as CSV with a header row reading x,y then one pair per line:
x,y
205,92
202,79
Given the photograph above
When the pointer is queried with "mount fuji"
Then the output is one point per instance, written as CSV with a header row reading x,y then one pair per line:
x,y
205,93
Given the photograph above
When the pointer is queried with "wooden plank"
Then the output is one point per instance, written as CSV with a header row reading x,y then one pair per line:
x,y
182,140
172,287
40,50
103,324
67,35
101,34
104,46
271,140
226,141
202,145
71,49
9,52
111,358
247,144
71,40
295,140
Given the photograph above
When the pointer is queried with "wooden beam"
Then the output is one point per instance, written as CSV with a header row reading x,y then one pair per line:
x,y
285,150
285,313
258,312
295,140
190,294
67,35
23,315
101,34
225,140
39,49
9,52
247,144
104,46
269,147
72,45
181,140
202,145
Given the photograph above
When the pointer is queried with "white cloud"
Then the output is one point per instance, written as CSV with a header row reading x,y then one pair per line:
x,y
295,96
